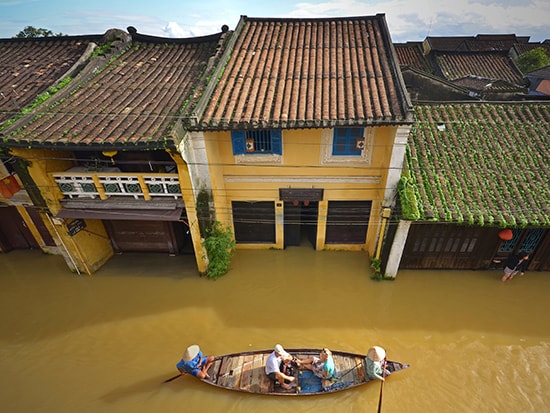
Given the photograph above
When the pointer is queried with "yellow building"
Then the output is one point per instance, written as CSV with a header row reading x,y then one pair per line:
x,y
295,128
304,133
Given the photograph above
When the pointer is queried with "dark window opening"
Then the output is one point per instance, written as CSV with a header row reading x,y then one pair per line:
x,y
254,222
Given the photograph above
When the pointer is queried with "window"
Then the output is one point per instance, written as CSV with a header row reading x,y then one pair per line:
x,y
347,146
252,142
348,142
347,222
254,222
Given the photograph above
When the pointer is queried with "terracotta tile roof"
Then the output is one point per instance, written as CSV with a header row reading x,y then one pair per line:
x,y
288,73
445,43
411,54
521,48
543,73
480,42
480,84
479,163
134,101
491,42
29,66
490,65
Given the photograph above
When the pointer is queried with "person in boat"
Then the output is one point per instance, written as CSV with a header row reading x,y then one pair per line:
x,y
275,364
515,264
193,362
322,366
376,363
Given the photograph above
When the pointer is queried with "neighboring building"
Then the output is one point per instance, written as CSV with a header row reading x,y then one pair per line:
x,y
482,64
474,169
424,87
305,131
102,150
32,69
539,82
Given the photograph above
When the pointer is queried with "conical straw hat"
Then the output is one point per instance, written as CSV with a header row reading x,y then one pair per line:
x,y
191,352
376,353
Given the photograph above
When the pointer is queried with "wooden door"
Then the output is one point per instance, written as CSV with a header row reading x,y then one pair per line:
x,y
14,234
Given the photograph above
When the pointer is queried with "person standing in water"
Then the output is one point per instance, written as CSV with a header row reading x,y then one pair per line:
x,y
515,264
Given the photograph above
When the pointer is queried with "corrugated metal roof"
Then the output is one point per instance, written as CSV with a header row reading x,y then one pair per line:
x,y
288,73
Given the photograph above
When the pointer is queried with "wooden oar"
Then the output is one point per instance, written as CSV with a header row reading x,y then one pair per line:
x,y
382,387
350,370
173,378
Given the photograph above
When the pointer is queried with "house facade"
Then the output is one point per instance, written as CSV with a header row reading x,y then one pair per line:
x,y
100,153
298,135
473,171
288,131
304,134
32,70
476,163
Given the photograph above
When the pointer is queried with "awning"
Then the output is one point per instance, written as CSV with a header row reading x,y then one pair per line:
x,y
126,214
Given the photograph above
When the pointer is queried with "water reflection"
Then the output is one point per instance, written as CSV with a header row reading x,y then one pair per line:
x,y
105,343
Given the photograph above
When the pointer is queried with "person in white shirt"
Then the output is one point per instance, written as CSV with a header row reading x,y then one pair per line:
x,y
273,367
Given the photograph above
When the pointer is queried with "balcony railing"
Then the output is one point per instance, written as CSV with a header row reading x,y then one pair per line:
x,y
104,184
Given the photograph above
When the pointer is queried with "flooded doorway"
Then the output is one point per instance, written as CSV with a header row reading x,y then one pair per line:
x,y
300,223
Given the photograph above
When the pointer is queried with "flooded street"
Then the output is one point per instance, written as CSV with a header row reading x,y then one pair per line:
x,y
105,343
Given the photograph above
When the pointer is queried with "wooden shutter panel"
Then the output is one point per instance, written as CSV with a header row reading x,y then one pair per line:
x,y
276,142
238,142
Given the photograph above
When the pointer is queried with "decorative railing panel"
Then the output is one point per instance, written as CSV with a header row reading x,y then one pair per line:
x,y
103,184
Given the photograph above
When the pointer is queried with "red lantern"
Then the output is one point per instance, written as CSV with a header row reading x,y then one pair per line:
x,y
506,234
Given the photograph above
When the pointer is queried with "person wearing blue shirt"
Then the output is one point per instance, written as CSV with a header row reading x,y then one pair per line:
x,y
322,366
193,362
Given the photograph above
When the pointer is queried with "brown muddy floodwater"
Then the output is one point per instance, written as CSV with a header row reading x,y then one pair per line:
x,y
105,343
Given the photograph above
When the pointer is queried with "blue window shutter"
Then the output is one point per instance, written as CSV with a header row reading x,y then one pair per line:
x,y
339,141
344,141
276,142
238,142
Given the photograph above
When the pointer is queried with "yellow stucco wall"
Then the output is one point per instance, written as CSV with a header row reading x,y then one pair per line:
x,y
302,159
188,196
89,249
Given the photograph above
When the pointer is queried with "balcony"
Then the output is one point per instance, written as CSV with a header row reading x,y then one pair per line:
x,y
106,183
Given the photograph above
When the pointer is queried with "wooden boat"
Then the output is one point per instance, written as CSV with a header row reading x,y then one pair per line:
x,y
245,372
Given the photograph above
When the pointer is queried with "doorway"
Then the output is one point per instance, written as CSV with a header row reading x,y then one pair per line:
x,y
300,223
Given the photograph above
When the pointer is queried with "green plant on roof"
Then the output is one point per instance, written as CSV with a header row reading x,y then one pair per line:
x,y
409,203
102,50
41,98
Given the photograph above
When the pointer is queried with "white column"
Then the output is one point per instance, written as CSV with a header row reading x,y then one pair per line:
x,y
396,164
397,248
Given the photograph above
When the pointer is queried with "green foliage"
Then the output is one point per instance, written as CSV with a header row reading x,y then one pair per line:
x,y
203,212
219,245
533,60
30,32
41,98
409,202
102,51
376,265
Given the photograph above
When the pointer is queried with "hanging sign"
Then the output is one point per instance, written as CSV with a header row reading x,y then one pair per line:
x,y
74,227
